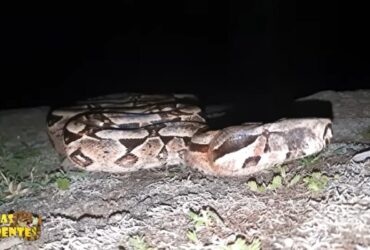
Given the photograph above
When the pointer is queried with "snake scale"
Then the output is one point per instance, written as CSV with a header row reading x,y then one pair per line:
x,y
135,131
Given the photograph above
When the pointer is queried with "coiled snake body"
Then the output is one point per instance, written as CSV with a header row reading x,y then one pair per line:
x,y
136,131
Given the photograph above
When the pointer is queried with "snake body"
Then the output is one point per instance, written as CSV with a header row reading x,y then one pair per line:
x,y
132,132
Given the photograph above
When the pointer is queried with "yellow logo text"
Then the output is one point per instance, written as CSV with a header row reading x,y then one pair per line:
x,y
20,224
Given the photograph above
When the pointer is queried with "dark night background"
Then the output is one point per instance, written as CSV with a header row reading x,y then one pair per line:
x,y
262,53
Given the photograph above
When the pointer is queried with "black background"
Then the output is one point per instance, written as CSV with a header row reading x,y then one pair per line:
x,y
260,53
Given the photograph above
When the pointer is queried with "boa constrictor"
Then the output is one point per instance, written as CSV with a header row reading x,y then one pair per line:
x,y
132,132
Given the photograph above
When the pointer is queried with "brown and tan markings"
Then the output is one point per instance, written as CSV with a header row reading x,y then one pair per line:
x,y
131,132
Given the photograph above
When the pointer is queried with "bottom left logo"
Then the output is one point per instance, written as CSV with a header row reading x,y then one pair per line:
x,y
20,224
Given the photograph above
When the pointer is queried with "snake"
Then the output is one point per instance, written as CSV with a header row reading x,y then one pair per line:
x,y
130,132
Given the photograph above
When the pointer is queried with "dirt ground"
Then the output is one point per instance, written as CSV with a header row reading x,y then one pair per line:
x,y
322,202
